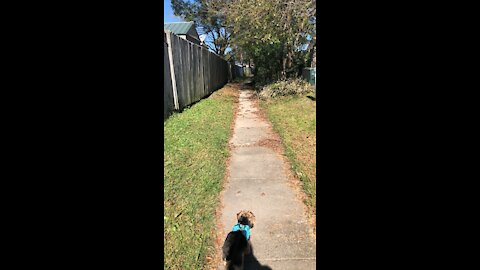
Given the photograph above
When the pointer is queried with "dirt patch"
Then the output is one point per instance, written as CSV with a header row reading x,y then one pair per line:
x,y
305,155
273,144
260,112
229,89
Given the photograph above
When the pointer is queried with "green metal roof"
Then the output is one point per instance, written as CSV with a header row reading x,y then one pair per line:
x,y
180,28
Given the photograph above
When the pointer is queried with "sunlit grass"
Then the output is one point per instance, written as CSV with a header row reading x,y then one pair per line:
x,y
196,150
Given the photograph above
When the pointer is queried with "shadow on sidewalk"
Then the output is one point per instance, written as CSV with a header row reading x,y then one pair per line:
x,y
247,84
251,263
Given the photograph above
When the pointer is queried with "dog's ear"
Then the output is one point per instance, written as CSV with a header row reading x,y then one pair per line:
x,y
239,214
251,219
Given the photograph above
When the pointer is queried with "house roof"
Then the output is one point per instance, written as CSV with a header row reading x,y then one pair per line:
x,y
179,28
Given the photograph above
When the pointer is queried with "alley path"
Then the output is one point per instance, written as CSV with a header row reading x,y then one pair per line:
x,y
258,180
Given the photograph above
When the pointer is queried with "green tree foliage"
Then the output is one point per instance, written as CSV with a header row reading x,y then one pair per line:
x,y
273,33
209,16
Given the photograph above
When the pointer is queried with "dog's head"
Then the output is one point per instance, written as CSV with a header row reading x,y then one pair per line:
x,y
246,217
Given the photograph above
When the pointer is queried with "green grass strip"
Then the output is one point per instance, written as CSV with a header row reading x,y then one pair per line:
x,y
196,150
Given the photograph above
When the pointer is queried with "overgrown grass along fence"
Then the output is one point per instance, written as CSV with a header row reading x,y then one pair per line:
x,y
191,73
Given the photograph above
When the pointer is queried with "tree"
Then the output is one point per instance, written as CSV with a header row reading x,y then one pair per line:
x,y
209,16
273,33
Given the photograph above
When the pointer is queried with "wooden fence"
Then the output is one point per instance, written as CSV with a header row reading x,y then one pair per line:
x,y
191,73
168,101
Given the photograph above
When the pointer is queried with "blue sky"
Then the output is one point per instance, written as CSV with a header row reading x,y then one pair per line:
x,y
168,13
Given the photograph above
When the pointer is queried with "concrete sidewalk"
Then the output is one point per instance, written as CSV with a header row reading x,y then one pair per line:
x,y
282,238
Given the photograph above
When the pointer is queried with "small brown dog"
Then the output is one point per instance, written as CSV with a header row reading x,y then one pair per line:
x,y
237,243
246,217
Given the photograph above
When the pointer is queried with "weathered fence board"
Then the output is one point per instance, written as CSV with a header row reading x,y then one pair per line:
x,y
197,71
167,85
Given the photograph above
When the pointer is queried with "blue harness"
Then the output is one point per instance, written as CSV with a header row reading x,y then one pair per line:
x,y
245,229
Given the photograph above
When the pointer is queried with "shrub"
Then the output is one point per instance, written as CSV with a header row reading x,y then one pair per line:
x,y
291,87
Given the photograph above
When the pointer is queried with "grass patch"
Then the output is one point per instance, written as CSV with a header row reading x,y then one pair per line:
x,y
294,118
196,150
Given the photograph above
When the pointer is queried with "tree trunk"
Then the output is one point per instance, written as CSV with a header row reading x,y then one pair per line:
x,y
289,60
284,67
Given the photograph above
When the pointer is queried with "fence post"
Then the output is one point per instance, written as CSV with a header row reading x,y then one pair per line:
x,y
172,70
